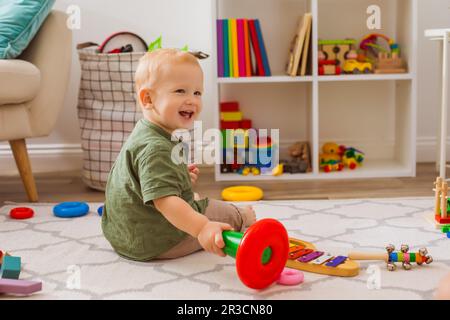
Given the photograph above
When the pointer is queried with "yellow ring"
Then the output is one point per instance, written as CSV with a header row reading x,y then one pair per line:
x,y
242,193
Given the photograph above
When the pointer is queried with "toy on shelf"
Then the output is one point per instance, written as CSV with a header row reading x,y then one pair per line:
x,y
351,157
336,50
355,67
330,160
244,151
327,67
300,161
392,256
304,256
242,193
385,60
261,252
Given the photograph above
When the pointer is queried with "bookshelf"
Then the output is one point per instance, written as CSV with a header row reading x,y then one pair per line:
x,y
372,112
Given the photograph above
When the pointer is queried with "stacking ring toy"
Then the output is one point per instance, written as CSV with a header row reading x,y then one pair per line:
x,y
100,211
261,253
70,209
242,193
290,277
21,213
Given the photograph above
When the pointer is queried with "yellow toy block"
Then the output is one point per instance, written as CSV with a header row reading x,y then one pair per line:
x,y
231,116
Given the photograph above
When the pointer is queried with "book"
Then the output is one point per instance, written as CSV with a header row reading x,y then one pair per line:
x,y
235,56
220,68
304,56
263,50
298,48
230,48
248,56
226,52
256,48
241,47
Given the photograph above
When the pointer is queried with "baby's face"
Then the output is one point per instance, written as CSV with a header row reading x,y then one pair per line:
x,y
177,99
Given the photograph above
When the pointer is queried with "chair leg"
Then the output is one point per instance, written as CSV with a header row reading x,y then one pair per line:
x,y
19,149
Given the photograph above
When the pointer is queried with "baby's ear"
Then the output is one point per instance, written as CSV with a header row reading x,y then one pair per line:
x,y
145,98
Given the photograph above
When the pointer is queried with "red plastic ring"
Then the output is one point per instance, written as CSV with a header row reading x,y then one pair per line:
x,y
21,213
250,269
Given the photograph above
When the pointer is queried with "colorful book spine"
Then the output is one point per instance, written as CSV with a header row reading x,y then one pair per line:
x,y
234,40
264,57
248,56
230,47
220,68
241,47
256,48
226,52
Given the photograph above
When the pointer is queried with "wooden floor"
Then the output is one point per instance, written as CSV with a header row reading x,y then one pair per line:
x,y
67,186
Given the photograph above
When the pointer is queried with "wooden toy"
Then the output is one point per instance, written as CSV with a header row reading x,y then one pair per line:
x,y
15,286
304,256
336,49
261,252
441,203
386,60
21,213
391,257
355,66
231,116
10,267
329,67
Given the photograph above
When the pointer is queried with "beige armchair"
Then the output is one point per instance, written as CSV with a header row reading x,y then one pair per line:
x,y
32,91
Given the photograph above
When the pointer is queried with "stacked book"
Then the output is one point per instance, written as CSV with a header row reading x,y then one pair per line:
x,y
239,43
300,46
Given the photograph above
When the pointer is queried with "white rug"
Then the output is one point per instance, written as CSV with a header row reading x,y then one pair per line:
x,y
74,261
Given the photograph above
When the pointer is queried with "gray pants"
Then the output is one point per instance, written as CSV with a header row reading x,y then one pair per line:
x,y
219,211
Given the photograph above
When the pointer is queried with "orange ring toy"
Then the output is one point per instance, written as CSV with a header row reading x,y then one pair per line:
x,y
250,268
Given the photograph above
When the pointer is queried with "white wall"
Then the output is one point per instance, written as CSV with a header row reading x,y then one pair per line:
x,y
183,22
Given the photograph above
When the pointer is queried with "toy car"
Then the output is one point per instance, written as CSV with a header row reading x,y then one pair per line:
x,y
354,66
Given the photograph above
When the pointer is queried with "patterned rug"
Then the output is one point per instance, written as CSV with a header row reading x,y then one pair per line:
x,y
74,261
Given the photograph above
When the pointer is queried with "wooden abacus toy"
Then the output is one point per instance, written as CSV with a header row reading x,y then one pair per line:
x,y
304,256
391,257
440,202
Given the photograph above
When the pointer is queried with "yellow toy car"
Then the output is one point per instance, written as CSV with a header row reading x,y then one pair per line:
x,y
354,66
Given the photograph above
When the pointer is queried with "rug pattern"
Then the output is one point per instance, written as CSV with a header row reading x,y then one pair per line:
x,y
74,260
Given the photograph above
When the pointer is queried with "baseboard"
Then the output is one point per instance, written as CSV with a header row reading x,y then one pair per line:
x,y
44,158
69,157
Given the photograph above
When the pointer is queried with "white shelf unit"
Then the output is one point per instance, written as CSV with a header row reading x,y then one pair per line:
x,y
372,112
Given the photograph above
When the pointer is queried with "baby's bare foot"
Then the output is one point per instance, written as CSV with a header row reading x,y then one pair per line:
x,y
248,216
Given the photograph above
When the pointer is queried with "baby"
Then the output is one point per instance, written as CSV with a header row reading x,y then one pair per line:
x,y
150,210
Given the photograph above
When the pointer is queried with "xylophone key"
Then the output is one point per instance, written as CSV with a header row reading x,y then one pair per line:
x,y
310,256
336,261
322,259
299,253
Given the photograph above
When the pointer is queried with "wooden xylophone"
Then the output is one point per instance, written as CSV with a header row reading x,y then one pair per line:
x,y
304,256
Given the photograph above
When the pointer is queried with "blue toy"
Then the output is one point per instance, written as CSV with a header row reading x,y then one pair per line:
x,y
100,211
70,209
10,267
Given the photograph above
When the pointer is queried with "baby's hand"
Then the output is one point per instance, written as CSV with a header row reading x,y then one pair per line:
x,y
210,237
193,173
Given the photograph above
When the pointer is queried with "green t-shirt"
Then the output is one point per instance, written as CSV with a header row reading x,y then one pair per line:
x,y
142,172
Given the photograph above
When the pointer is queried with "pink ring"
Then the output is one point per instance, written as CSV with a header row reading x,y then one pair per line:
x,y
406,257
290,277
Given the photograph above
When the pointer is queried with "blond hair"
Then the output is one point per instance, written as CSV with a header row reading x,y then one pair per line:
x,y
151,63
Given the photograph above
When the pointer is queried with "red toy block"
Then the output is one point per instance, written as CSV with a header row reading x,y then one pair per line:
x,y
442,220
231,106
19,286
229,124
246,124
